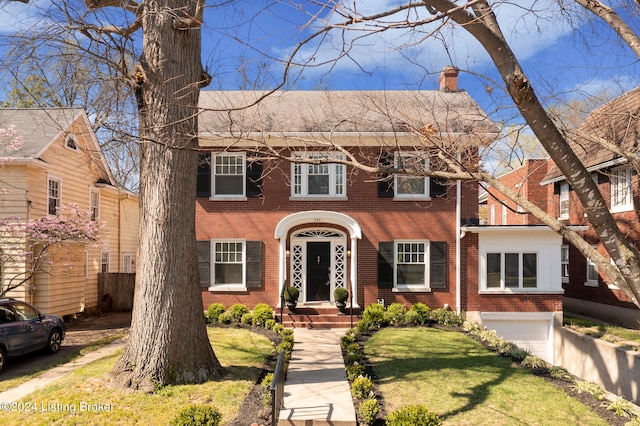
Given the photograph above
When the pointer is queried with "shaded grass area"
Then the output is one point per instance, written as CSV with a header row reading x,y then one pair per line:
x,y
45,365
459,379
240,351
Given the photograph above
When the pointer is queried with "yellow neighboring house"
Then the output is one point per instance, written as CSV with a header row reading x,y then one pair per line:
x,y
60,163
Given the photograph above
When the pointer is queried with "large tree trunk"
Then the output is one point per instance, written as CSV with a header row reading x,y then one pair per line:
x,y
168,342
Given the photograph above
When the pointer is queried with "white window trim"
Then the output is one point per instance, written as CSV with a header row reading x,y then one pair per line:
x,y
127,264
483,289
564,196
212,273
627,203
97,194
397,196
59,180
564,247
108,253
71,137
427,257
229,197
303,175
492,214
504,212
590,282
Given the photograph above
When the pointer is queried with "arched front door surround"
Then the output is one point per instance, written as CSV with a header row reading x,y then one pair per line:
x,y
326,249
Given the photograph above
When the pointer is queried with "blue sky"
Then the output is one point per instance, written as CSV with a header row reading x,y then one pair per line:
x,y
563,61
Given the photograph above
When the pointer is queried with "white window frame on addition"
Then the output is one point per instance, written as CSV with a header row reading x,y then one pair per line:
x,y
54,195
231,166
334,173
230,253
411,162
564,201
621,189
511,277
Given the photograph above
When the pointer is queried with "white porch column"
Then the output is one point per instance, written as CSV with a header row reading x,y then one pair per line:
x,y
282,272
353,276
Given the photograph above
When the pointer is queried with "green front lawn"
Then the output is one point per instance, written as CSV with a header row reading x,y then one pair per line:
x,y
460,380
242,352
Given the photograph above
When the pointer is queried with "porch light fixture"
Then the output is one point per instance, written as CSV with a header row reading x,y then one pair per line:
x,y
348,253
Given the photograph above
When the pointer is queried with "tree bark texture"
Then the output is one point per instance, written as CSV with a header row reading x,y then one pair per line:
x,y
168,343
483,25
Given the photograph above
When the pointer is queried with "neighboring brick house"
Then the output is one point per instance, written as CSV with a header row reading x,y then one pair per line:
x,y
263,223
60,163
615,122
525,180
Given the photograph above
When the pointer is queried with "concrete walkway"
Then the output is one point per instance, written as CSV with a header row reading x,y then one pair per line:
x,y
50,376
316,390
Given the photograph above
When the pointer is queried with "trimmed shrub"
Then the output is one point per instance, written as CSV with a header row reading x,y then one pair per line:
x,y
278,328
413,415
372,317
266,388
270,324
421,312
246,319
213,312
395,314
348,338
261,314
291,294
340,294
237,311
354,371
362,387
368,411
225,317
446,317
198,415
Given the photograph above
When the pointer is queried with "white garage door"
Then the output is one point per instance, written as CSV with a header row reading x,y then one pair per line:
x,y
531,334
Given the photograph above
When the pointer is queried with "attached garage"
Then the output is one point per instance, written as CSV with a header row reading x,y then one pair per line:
x,y
529,330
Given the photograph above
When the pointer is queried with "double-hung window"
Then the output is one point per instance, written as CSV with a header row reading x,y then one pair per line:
x,y
229,175
515,270
95,205
592,273
412,265
321,179
564,201
104,261
564,261
621,189
228,263
53,192
408,182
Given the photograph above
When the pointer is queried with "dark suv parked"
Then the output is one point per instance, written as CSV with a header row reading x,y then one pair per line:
x,y
24,329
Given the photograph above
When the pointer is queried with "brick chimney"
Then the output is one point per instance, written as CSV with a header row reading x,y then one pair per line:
x,y
448,79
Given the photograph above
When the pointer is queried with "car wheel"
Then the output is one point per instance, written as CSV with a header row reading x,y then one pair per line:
x,y
55,341
3,358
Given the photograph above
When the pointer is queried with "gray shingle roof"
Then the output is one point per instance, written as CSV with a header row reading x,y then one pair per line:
x,y
38,127
341,112
617,121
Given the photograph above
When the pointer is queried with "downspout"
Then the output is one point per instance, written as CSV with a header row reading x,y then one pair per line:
x,y
458,238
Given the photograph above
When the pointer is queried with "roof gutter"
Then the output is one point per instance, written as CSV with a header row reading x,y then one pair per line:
x,y
611,163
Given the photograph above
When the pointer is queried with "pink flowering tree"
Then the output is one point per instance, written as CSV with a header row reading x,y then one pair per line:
x,y
30,247
9,142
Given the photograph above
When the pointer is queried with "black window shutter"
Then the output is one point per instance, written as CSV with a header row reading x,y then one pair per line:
x,y
204,258
203,187
385,264
385,180
254,179
438,265
254,264
438,187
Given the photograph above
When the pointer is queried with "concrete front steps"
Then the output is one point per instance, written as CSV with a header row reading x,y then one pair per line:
x,y
323,315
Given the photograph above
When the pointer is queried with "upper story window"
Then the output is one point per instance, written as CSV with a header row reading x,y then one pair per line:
x,y
504,212
95,205
564,201
621,189
229,175
510,270
318,180
408,186
53,192
70,143
592,272
492,214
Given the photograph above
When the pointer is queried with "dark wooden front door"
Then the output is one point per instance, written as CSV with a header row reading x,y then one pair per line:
x,y
318,270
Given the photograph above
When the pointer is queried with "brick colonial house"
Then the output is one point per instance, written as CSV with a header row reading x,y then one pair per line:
x,y
615,122
264,223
